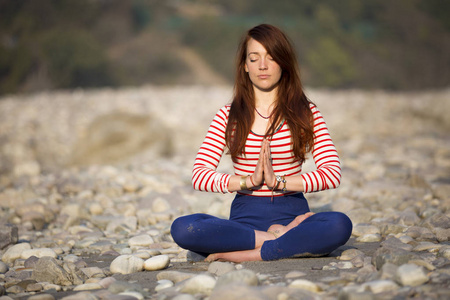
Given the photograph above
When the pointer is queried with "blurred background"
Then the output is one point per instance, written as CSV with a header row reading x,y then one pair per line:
x,y
86,82
370,44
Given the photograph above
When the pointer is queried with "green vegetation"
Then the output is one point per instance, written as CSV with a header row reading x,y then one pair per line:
x,y
47,44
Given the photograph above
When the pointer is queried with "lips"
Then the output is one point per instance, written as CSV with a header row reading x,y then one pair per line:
x,y
264,76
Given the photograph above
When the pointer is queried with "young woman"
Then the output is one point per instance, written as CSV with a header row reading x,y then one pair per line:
x,y
268,129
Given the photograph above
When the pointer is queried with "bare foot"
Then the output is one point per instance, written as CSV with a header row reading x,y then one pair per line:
x,y
236,256
278,230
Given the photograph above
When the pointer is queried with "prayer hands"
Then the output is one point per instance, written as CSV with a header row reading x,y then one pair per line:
x,y
264,170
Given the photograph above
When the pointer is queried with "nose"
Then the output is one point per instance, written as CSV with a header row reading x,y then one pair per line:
x,y
263,64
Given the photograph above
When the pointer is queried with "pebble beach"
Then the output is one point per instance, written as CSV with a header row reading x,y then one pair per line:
x,y
91,180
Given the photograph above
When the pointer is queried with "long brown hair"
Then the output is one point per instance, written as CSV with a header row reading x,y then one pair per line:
x,y
291,104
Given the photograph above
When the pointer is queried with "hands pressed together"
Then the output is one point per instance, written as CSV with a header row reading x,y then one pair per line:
x,y
264,170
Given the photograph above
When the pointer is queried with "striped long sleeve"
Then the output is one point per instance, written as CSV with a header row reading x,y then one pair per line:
x,y
204,175
326,176
328,172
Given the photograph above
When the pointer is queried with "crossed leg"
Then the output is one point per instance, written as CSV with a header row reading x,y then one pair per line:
x,y
274,232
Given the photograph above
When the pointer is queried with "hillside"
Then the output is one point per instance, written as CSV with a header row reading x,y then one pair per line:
x,y
373,44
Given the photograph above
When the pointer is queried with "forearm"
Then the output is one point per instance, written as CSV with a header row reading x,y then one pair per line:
x,y
234,184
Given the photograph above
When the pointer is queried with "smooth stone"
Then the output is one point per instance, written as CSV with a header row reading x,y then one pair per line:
x,y
363,229
294,274
305,285
219,268
118,287
41,297
126,264
411,275
342,265
106,282
144,240
445,252
163,284
427,246
81,296
3,268
237,291
350,254
388,271
157,263
174,276
91,272
34,287
134,295
51,286
369,238
200,284
38,252
160,205
95,209
442,234
244,276
15,252
88,287
381,286
184,297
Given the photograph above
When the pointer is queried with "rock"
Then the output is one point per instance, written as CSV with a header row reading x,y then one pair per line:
x,y
106,282
163,284
305,285
3,268
140,241
126,264
38,252
9,235
157,263
243,276
442,235
411,275
420,233
343,205
369,238
41,297
239,292
118,287
160,205
219,268
15,252
88,287
294,274
395,244
174,276
388,271
200,284
394,256
184,297
381,286
437,220
48,270
93,272
351,254
133,295
363,229
359,215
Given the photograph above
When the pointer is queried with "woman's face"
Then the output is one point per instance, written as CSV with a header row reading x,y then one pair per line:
x,y
262,70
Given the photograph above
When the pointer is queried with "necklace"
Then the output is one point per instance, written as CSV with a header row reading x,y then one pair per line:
x,y
264,116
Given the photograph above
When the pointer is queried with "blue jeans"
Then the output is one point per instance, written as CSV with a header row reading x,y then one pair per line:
x,y
319,234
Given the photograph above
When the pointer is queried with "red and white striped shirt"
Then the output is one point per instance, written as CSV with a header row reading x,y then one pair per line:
x,y
326,176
